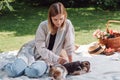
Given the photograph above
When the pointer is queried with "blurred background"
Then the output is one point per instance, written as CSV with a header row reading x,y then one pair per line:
x,y
19,19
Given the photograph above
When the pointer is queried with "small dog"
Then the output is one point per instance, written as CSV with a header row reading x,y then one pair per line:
x,y
60,72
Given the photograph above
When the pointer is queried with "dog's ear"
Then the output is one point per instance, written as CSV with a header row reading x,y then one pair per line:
x,y
51,71
52,68
56,74
85,64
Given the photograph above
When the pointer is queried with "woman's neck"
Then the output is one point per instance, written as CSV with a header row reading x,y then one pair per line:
x,y
54,31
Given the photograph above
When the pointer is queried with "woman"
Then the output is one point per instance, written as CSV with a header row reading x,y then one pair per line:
x,y
52,36
55,34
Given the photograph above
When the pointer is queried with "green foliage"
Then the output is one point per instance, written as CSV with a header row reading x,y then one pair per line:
x,y
6,4
107,4
98,4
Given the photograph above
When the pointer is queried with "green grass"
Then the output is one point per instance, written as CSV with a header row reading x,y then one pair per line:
x,y
10,42
20,26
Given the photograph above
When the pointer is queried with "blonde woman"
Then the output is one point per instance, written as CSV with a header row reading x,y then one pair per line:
x,y
55,34
52,36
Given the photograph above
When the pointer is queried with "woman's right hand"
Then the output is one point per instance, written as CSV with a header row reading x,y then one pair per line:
x,y
61,60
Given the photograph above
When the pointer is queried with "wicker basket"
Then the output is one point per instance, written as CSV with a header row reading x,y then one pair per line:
x,y
111,42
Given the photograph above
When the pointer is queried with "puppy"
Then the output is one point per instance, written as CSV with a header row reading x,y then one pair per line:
x,y
60,72
77,67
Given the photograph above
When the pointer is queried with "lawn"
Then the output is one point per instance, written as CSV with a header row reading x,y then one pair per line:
x,y
18,27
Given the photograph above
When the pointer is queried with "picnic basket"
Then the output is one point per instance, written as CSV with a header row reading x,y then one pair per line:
x,y
111,42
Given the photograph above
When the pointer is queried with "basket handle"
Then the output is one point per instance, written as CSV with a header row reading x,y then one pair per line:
x,y
110,21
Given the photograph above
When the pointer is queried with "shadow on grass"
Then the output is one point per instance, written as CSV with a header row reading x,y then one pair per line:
x,y
25,20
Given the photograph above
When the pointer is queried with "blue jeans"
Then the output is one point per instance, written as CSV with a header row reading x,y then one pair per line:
x,y
16,68
19,68
36,69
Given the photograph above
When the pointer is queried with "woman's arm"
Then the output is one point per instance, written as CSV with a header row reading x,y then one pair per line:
x,y
69,41
40,43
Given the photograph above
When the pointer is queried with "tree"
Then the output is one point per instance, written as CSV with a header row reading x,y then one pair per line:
x,y
6,4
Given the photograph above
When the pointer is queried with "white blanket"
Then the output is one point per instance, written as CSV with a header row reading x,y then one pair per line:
x,y
102,67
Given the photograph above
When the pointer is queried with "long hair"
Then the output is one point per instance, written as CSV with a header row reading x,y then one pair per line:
x,y
55,9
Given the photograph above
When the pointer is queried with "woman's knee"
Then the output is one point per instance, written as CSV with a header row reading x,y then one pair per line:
x,y
36,69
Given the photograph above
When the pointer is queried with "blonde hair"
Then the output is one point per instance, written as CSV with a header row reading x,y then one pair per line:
x,y
55,9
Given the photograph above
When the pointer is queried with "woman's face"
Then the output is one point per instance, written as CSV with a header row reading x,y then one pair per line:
x,y
58,20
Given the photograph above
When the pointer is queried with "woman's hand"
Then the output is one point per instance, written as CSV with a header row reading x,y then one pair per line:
x,y
70,58
61,60
65,56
